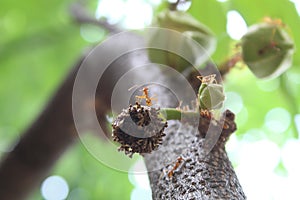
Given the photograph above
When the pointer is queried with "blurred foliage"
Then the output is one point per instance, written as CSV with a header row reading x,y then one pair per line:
x,y
39,43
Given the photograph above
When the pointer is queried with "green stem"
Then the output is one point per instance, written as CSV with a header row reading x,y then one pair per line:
x,y
175,114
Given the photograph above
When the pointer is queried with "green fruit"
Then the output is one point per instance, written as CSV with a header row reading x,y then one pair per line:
x,y
267,50
180,41
211,96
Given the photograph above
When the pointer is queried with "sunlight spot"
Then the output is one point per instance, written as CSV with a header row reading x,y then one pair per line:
x,y
233,102
297,123
242,117
285,188
14,21
113,10
260,158
232,148
278,120
155,2
132,14
264,151
232,143
236,25
109,118
268,85
253,135
140,194
91,33
54,188
184,6
293,77
290,157
138,14
297,5
138,176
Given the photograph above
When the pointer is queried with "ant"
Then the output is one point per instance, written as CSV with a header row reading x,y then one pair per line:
x,y
276,22
177,164
208,79
206,114
272,44
145,96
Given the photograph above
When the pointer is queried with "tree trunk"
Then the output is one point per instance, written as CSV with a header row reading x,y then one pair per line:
x,y
23,168
42,144
189,171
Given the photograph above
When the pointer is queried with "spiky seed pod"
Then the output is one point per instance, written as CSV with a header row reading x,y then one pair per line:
x,y
138,129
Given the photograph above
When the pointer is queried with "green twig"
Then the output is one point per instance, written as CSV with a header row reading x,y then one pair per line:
x,y
176,114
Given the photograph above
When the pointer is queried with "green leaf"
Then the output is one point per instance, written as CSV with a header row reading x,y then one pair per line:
x,y
213,14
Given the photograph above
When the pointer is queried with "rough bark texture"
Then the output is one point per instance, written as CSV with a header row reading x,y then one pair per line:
x,y
188,172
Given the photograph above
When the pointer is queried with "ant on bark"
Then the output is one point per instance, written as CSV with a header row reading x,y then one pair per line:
x,y
177,164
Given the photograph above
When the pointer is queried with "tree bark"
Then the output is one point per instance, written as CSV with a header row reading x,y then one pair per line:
x,y
197,175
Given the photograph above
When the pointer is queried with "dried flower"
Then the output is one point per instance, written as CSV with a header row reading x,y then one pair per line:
x,y
138,129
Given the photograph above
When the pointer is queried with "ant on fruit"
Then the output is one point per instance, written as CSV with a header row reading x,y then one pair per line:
x,y
177,164
208,79
276,22
145,95
272,44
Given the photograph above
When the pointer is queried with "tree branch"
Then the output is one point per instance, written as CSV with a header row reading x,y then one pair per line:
x,y
81,15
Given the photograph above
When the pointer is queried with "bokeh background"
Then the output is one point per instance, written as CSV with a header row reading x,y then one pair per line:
x,y
40,41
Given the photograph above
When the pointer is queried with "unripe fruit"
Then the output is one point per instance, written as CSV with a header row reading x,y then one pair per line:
x,y
210,94
182,42
267,49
